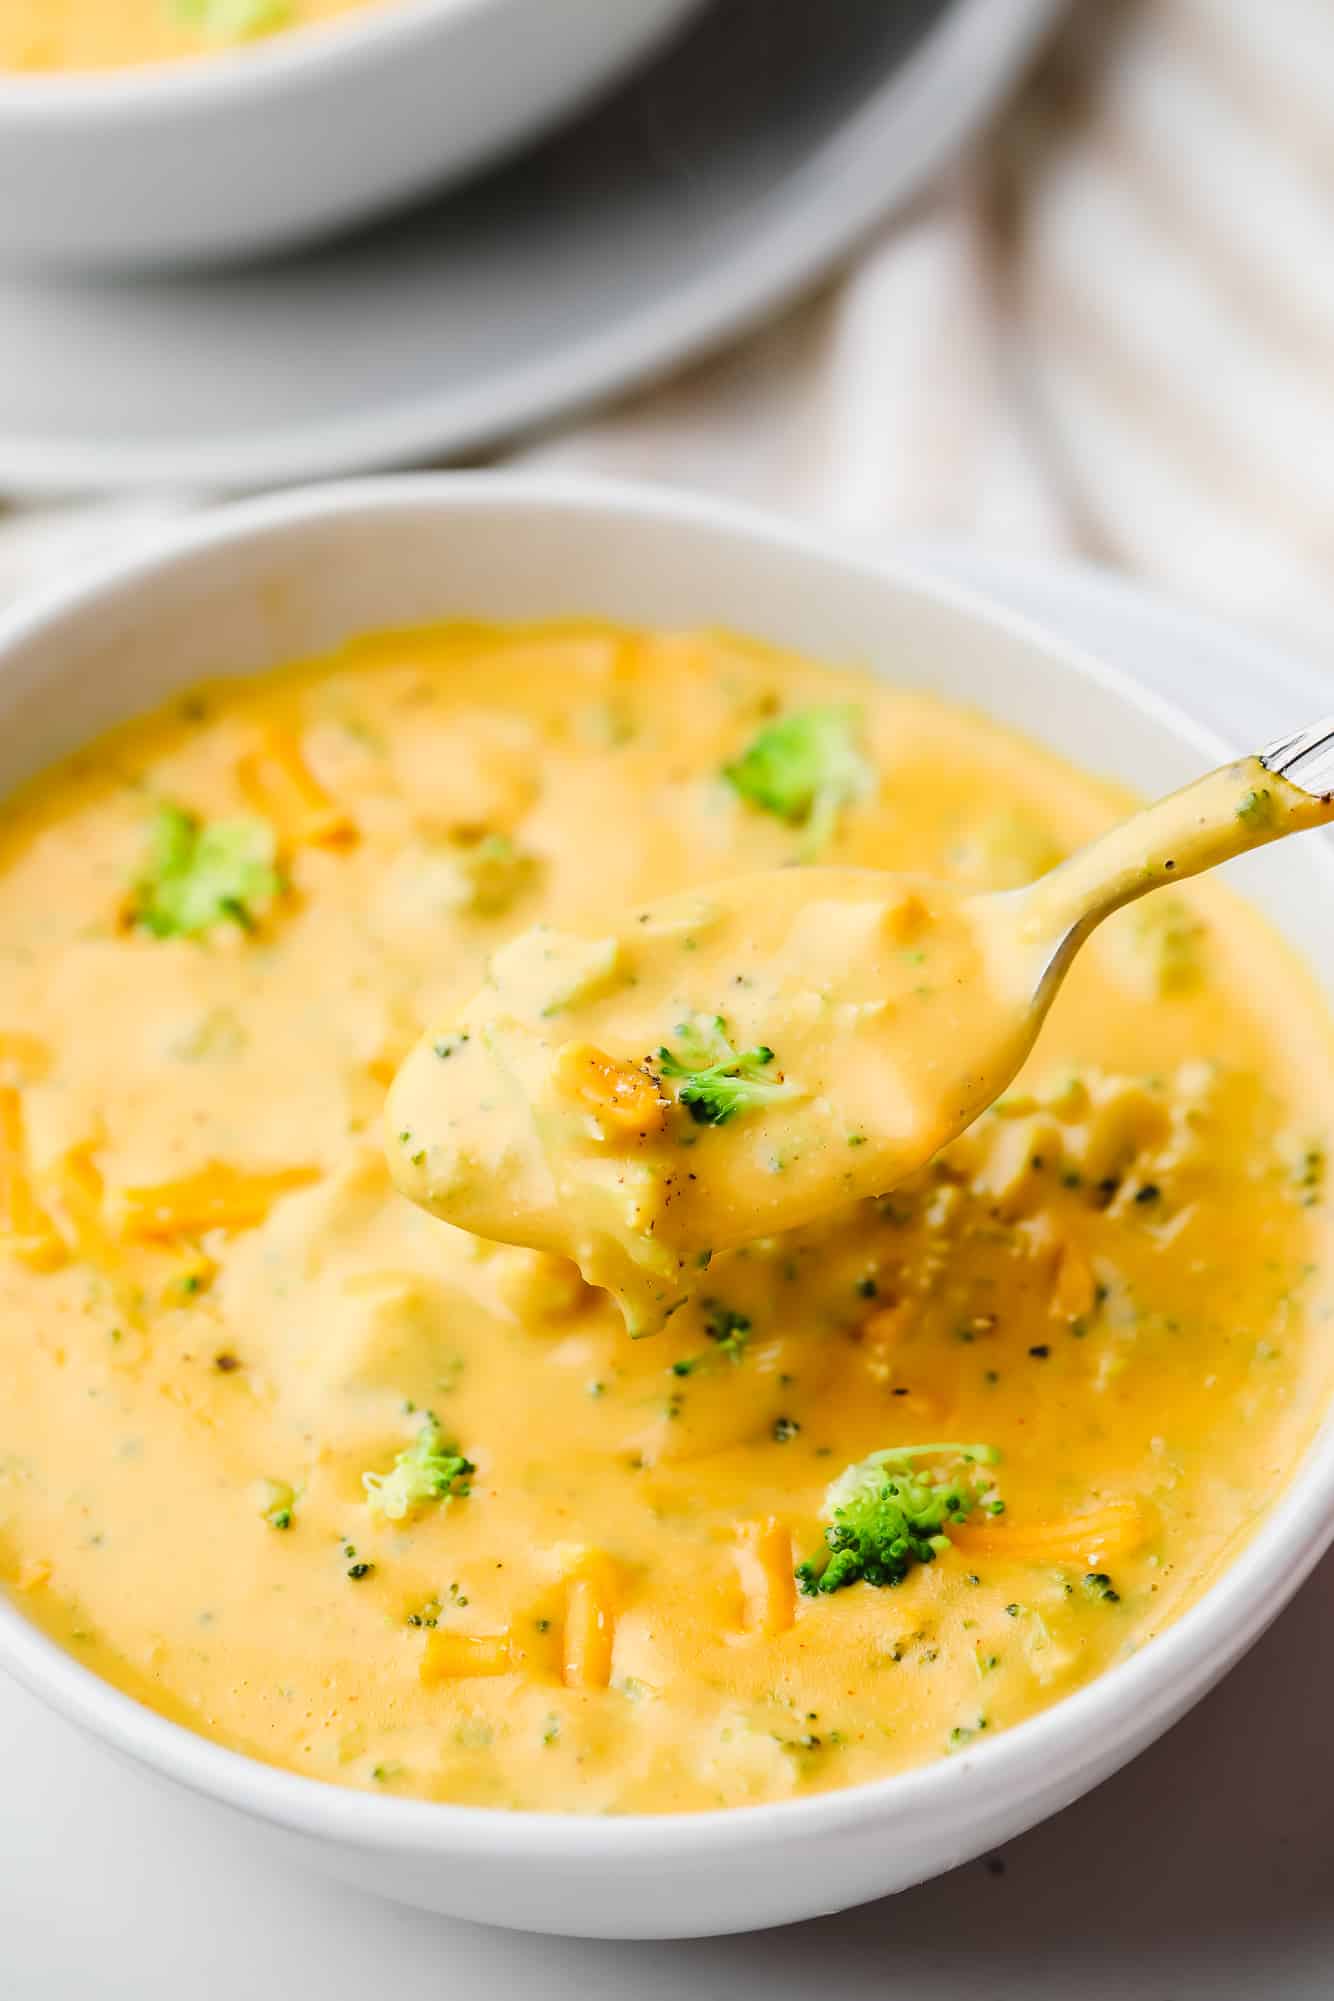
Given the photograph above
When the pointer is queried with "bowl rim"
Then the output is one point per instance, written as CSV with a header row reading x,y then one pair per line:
x,y
1069,1740
265,65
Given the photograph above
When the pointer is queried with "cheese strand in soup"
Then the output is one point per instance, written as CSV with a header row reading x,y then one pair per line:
x,y
715,1068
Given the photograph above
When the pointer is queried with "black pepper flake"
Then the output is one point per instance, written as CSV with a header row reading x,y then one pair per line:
x,y
1041,1352
227,1364
1150,1192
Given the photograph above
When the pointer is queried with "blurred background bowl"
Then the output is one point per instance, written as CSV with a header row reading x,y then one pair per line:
x,y
256,149
732,169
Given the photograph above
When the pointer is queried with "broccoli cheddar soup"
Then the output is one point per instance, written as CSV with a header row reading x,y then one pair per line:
x,y
112,34
344,1487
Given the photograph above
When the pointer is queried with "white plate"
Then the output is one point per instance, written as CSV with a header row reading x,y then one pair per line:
x,y
752,154
1153,1888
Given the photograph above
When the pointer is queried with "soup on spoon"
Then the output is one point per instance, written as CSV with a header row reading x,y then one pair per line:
x,y
714,1068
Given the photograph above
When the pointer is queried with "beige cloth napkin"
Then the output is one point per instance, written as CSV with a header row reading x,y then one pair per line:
x,y
1108,333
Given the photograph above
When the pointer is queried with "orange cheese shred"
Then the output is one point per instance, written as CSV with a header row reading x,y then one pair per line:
x,y
26,1230
280,785
768,1586
216,1198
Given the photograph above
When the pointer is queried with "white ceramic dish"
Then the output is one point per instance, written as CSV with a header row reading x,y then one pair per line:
x,y
109,1880
243,588
732,170
258,147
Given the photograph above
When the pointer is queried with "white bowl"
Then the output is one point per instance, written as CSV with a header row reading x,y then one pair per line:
x,y
256,584
253,149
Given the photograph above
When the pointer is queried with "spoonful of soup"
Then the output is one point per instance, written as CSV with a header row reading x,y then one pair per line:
x,y
716,1067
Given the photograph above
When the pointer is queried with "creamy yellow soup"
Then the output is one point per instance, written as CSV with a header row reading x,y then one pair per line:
x,y
345,1487
115,34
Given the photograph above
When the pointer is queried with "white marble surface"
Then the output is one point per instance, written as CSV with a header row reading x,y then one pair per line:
x,y
1206,1869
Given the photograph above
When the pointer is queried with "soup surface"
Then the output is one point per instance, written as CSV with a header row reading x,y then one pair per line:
x,y
341,1486
113,34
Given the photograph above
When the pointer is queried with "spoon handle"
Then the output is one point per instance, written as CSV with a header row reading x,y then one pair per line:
x,y
1282,790
1306,758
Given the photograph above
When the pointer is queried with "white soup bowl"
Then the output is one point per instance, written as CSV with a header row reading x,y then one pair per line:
x,y
256,148
260,583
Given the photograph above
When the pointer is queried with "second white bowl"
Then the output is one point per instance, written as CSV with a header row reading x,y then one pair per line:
x,y
316,129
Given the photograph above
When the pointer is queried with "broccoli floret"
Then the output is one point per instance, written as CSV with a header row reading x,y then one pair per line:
x,y
1004,851
277,1503
1257,808
1161,946
717,1081
1307,1164
431,1469
730,1329
805,769
198,874
884,1516
727,1329
489,876
233,19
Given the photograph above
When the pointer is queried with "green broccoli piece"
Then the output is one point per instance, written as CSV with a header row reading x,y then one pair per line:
x,y
197,874
431,1469
1307,1167
884,1516
232,19
277,1503
805,768
727,1329
716,1080
1165,946
1004,851
489,876
1257,808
